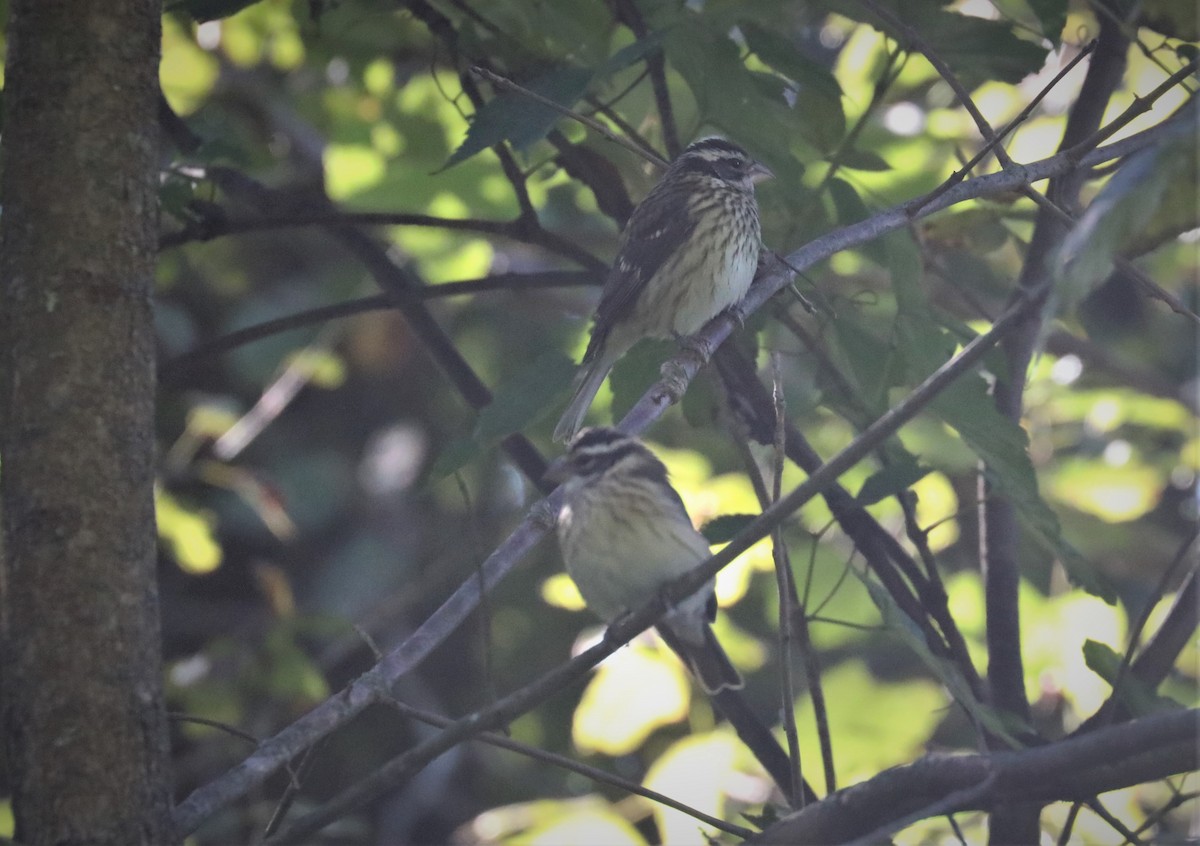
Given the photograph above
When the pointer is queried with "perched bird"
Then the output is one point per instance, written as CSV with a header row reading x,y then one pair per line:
x,y
624,533
688,253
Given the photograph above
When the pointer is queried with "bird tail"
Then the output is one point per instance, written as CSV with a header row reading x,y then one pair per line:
x,y
706,659
587,383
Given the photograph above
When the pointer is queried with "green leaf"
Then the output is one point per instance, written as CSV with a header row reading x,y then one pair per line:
x,y
637,371
863,160
722,529
525,397
896,477
817,93
851,209
1052,14
515,118
1129,204
631,53
1003,445
456,455
748,106
1136,695
975,49
870,359
700,404
1002,725
968,407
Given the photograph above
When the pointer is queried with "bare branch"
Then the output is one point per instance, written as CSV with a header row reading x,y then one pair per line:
x,y
1146,749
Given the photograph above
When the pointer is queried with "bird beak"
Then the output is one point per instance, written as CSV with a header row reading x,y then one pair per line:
x,y
759,173
558,471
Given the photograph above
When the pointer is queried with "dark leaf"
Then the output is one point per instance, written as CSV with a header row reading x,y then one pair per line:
x,y
525,397
891,480
515,118
723,529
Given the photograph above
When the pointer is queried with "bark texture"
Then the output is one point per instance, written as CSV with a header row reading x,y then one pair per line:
x,y
80,697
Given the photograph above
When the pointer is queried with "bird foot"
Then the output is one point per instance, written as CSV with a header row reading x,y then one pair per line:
x,y
738,313
675,380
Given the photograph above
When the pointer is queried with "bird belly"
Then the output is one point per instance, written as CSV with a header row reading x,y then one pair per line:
x,y
697,284
620,562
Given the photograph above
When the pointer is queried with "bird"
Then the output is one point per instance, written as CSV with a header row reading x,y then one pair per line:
x,y
624,533
688,252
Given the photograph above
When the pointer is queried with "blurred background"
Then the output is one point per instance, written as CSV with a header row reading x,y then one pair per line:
x,y
325,488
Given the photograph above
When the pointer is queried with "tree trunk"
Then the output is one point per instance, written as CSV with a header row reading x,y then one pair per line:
x,y
81,696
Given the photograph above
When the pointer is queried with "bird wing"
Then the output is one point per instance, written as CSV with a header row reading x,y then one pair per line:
x,y
656,230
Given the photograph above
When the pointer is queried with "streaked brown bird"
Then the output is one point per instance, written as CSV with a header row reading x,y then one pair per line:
x,y
625,533
689,252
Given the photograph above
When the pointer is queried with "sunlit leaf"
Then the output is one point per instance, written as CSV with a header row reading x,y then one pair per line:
x,y
875,723
560,591
634,692
1116,494
591,824
323,368
1134,694
696,771
189,534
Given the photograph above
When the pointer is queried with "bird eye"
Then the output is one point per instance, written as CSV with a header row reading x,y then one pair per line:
x,y
738,163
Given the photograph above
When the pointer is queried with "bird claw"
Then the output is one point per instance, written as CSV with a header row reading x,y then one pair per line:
x,y
738,313
675,374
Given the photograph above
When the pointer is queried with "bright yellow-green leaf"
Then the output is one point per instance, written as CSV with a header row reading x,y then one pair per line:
x,y
324,368
592,826
287,50
875,724
1115,494
589,821
351,168
937,501
186,72
1053,633
188,534
559,590
632,693
696,771
210,419
7,823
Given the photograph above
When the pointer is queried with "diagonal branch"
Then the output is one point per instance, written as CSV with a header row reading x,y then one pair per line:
x,y
1151,748
339,709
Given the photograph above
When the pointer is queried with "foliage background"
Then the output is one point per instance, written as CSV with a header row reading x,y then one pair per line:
x,y
373,490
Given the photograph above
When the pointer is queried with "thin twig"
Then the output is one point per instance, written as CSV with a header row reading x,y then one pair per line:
x,y
561,761
786,588
591,123
960,174
171,368
336,711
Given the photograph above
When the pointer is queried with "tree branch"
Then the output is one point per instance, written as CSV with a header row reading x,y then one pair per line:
x,y
339,709
1151,748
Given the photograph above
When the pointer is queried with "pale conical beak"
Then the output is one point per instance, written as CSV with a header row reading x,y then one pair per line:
x,y
759,173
